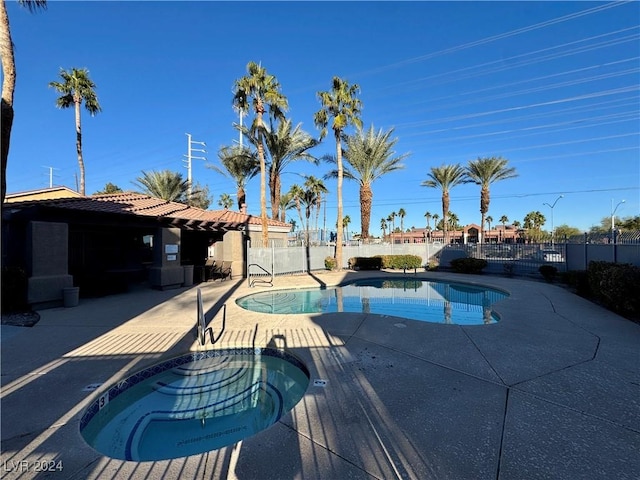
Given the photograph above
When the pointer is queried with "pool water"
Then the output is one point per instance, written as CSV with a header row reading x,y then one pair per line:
x,y
437,302
194,403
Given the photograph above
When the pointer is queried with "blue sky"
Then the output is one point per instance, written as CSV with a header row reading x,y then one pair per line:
x,y
552,86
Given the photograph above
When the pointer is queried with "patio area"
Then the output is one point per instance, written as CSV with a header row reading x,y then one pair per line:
x,y
552,390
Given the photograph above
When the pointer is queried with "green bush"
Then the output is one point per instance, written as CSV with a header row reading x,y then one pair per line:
x,y
400,262
549,272
330,263
365,263
14,289
616,286
468,265
578,280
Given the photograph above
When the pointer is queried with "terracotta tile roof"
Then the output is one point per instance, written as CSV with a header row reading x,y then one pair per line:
x,y
132,203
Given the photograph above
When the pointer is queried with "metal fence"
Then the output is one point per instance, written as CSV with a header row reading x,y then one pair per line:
x,y
281,260
508,258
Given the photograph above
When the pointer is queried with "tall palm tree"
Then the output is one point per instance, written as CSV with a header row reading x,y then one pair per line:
x,y
9,83
165,184
445,178
76,87
436,217
318,188
240,164
262,90
383,227
285,145
489,221
503,220
305,197
484,172
369,155
402,213
287,202
428,216
453,220
346,220
341,105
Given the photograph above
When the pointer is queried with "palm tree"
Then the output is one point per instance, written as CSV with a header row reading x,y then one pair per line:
x,y
446,177
263,91
533,222
225,201
240,164
341,105
503,220
369,156
383,227
346,220
285,146
484,172
453,220
489,220
436,217
304,197
287,202
76,87
428,216
317,187
402,214
165,184
9,83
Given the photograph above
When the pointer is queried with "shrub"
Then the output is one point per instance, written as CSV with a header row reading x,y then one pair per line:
x,y
14,289
330,263
616,286
468,265
399,262
508,268
549,272
365,263
578,280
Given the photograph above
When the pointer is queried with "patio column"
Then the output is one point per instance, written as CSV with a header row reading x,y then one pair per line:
x,y
166,271
47,263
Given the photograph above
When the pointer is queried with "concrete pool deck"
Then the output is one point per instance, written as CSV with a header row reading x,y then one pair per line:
x,y
550,391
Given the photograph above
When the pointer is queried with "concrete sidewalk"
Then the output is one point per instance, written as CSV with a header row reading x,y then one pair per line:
x,y
550,391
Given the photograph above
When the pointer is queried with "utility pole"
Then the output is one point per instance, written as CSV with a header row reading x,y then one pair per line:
x,y
51,169
190,157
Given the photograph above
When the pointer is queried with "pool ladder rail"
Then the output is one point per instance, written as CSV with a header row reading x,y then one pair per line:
x,y
202,330
252,282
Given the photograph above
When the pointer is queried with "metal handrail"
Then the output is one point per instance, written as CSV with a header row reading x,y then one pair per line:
x,y
201,326
258,280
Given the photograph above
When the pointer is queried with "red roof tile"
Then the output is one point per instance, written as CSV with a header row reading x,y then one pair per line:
x,y
132,203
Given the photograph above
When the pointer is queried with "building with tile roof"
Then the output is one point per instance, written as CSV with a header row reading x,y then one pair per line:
x,y
111,240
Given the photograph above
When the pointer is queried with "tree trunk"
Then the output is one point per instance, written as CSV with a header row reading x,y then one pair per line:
x,y
79,144
263,176
366,198
8,87
484,208
445,210
339,189
274,191
242,197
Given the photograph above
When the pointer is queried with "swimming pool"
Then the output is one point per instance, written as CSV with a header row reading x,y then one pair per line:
x,y
429,301
194,403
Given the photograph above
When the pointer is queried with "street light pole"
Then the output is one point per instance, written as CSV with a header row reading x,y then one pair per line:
x,y
553,231
613,215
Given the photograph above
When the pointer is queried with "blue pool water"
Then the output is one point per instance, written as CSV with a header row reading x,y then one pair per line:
x,y
194,403
428,301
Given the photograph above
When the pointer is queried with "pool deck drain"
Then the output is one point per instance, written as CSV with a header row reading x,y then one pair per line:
x,y
550,391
